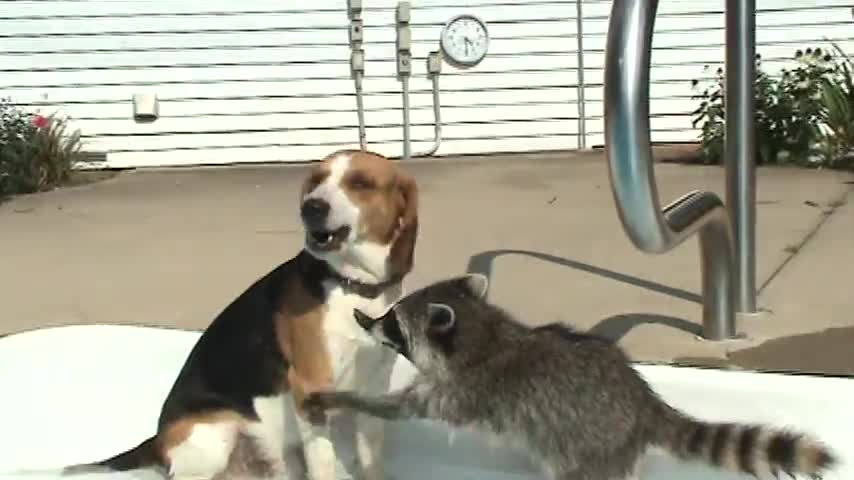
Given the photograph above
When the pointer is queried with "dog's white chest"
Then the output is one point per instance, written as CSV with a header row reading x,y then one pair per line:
x,y
353,351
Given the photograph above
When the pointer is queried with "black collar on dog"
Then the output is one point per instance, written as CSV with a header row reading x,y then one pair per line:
x,y
320,270
367,290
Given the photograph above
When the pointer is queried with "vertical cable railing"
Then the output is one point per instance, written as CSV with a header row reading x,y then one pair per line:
x,y
582,110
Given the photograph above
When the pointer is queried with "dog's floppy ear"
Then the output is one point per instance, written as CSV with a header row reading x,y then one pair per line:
x,y
403,250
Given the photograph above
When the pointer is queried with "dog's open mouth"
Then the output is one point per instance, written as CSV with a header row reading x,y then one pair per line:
x,y
327,240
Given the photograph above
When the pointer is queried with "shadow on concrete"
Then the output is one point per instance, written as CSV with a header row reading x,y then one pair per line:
x,y
827,352
483,263
617,326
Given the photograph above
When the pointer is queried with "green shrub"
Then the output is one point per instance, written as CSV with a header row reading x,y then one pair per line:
x,y
789,111
838,117
36,152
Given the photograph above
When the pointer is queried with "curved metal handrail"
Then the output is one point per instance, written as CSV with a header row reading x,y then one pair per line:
x,y
630,162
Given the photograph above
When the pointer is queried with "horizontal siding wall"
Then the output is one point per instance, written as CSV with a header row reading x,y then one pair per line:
x,y
263,80
689,34
268,80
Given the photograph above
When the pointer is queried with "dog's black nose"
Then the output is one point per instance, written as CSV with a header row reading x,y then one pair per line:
x,y
314,210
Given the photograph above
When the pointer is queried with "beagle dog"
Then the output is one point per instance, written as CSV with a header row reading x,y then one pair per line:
x,y
235,407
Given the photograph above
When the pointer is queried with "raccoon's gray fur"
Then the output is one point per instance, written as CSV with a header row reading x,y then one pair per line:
x,y
572,399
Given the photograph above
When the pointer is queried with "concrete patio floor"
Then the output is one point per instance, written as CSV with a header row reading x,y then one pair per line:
x,y
173,247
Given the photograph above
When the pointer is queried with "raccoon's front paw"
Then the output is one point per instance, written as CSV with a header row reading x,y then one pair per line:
x,y
316,404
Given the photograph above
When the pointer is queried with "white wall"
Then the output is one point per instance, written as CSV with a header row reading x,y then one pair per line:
x,y
266,80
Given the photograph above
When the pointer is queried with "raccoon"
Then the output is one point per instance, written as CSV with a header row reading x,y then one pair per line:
x,y
570,399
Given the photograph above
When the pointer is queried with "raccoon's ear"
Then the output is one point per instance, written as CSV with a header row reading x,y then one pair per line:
x,y
477,284
442,317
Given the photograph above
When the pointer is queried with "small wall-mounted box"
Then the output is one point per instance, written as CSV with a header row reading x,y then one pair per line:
x,y
146,107
404,64
356,31
434,63
357,61
403,13
354,8
404,38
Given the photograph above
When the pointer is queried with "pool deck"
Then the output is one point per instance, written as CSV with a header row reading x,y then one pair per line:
x,y
171,247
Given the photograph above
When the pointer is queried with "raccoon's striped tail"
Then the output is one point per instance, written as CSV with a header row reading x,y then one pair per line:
x,y
751,449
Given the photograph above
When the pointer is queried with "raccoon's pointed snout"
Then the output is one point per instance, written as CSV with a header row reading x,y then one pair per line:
x,y
363,319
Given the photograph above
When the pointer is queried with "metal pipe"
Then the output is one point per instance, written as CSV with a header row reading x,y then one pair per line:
x,y
437,119
360,111
407,147
630,162
357,63
403,43
582,114
740,145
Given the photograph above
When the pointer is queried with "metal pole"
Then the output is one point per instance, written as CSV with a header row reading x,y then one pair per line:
x,y
740,145
357,63
628,145
437,117
360,111
407,142
404,66
582,114
434,70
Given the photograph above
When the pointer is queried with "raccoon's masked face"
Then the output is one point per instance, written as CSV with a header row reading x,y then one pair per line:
x,y
422,325
385,329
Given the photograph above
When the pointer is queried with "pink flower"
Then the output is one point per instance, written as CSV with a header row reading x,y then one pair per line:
x,y
40,121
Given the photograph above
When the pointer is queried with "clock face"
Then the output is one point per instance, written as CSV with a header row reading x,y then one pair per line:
x,y
464,41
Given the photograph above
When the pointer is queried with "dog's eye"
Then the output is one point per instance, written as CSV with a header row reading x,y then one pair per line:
x,y
361,182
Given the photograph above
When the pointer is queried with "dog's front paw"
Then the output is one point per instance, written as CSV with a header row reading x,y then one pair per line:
x,y
316,404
